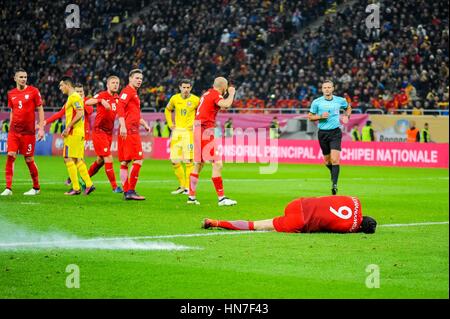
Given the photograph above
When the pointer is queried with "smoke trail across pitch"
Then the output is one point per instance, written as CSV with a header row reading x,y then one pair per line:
x,y
15,237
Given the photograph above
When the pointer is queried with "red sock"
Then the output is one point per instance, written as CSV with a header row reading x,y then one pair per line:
x,y
124,177
193,181
34,174
134,175
94,168
218,184
236,224
9,171
109,169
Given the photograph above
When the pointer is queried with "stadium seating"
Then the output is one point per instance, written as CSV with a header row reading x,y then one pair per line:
x,y
265,47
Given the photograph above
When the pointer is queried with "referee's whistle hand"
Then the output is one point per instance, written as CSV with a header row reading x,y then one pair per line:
x,y
325,115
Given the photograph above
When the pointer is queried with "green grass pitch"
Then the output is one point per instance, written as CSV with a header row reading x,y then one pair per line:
x,y
413,261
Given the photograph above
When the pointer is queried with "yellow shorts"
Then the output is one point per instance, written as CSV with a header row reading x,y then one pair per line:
x,y
182,145
74,146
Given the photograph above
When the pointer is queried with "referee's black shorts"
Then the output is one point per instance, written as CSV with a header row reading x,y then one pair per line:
x,y
330,140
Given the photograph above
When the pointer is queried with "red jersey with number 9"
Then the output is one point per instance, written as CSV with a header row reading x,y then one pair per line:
x,y
207,109
334,214
104,120
340,214
23,104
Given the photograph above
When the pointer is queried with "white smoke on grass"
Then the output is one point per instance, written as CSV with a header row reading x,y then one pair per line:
x,y
15,237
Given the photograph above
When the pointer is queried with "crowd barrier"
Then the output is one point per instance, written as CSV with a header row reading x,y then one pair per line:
x,y
248,150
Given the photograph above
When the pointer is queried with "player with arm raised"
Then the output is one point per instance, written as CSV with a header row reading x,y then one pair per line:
x,y
204,145
334,214
23,101
106,102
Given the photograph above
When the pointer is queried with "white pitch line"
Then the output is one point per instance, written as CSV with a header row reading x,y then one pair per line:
x,y
220,233
414,224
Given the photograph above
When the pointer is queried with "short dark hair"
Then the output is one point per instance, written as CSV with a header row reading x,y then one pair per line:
x,y
78,85
67,80
134,71
185,81
368,225
19,70
328,81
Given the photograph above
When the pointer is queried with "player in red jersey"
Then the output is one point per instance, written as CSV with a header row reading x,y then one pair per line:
x,y
334,214
129,140
23,101
88,110
103,129
204,145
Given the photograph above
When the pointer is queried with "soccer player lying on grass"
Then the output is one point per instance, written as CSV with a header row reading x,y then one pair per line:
x,y
334,214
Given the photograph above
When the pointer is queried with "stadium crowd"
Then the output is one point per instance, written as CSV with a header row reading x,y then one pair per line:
x,y
257,43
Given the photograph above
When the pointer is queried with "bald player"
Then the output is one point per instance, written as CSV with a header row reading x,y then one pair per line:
x,y
204,145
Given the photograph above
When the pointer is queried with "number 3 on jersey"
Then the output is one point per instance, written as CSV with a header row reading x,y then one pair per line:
x,y
343,212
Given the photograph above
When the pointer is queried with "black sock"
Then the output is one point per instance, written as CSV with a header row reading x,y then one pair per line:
x,y
329,166
335,174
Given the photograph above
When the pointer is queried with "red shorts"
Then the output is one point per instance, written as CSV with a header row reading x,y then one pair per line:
x,y
205,149
24,143
130,148
102,143
293,220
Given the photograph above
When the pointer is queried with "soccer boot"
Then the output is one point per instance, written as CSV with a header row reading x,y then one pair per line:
x,y
132,195
118,190
208,223
89,190
334,189
6,192
179,190
32,192
192,201
72,192
225,201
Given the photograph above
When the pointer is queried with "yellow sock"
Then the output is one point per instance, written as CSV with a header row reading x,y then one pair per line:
x,y
179,173
72,170
82,169
188,171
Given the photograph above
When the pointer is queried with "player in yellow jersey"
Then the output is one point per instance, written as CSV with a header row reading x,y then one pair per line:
x,y
182,142
74,138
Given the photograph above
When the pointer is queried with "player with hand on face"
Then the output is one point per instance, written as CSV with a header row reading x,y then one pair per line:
x,y
204,145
